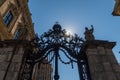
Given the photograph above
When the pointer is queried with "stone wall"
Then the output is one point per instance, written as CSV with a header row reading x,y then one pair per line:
x,y
101,60
11,56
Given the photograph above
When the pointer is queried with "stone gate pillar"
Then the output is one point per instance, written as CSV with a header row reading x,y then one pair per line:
x,y
11,56
101,60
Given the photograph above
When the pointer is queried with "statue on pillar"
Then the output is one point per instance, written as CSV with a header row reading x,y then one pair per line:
x,y
89,33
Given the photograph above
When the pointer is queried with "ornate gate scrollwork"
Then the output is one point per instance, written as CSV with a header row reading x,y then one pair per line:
x,y
56,40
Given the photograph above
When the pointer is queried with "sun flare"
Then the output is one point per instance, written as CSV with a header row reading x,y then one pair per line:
x,y
69,32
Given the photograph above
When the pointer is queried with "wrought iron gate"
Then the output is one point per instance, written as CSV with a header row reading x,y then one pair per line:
x,y
55,40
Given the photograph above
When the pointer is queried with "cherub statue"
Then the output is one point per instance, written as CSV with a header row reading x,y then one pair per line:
x,y
89,33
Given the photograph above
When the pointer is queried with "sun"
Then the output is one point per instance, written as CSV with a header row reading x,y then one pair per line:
x,y
69,32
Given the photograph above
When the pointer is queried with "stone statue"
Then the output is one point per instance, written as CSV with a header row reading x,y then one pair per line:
x,y
89,33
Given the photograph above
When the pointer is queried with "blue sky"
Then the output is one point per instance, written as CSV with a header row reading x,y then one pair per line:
x,y
75,15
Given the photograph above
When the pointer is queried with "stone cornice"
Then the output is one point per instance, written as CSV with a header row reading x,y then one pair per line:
x,y
98,43
11,42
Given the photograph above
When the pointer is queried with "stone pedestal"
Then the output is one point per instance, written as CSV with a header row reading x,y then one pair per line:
x,y
101,60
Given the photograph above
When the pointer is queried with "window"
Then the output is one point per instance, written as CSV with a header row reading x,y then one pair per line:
x,y
16,34
8,18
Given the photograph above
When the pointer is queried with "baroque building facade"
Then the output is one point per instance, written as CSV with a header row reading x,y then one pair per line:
x,y
116,11
16,30
15,19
